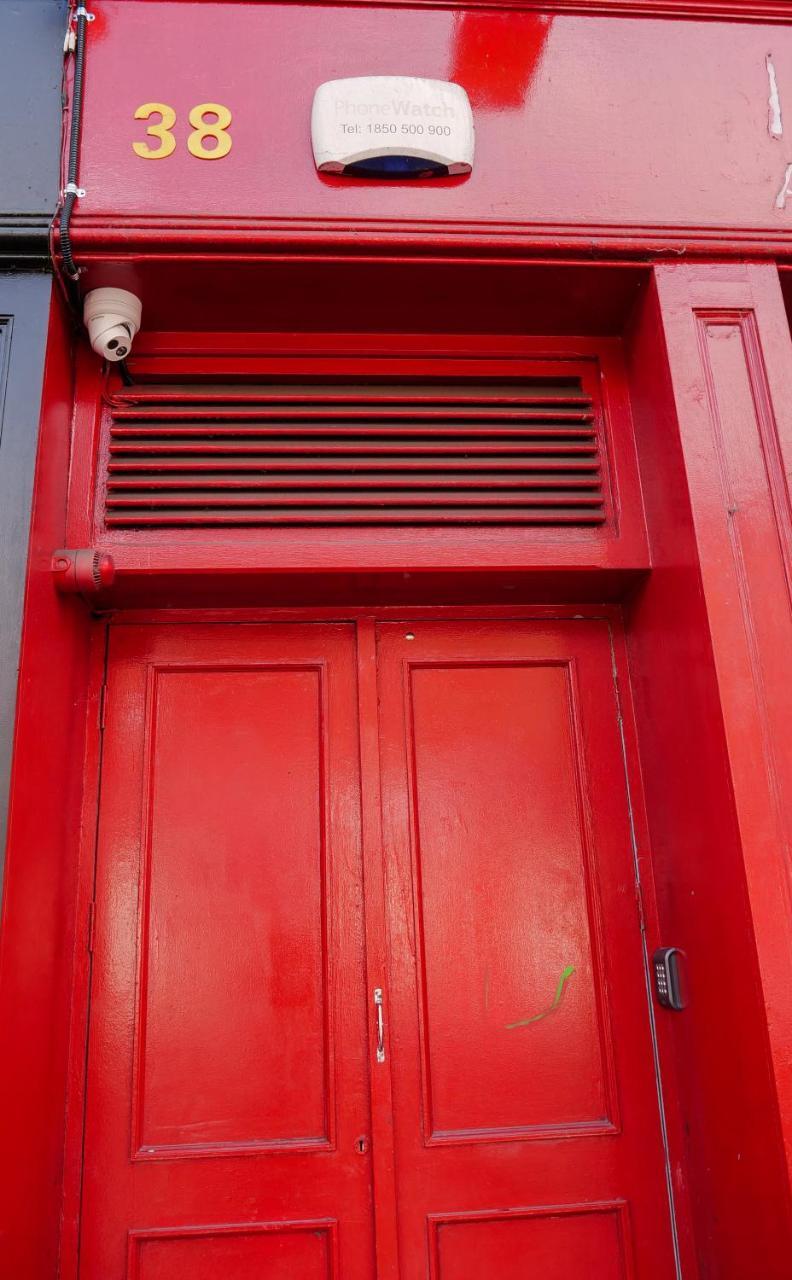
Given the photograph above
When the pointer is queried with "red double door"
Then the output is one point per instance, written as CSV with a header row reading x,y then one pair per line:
x,y
294,817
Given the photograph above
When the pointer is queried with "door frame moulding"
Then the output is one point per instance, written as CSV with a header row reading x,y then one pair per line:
x,y
80,986
365,621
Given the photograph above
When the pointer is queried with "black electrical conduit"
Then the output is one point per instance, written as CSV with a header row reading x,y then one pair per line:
x,y
82,18
70,190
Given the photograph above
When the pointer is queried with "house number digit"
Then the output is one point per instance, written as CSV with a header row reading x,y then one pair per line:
x,y
161,131
214,129
209,129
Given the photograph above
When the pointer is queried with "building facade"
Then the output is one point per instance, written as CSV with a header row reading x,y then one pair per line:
x,y
397,873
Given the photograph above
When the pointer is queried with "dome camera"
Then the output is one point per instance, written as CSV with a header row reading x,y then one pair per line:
x,y
112,317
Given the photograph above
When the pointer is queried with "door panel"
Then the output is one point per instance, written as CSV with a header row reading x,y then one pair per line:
x,y
251,943
587,1243
521,1054
227,1074
275,1253
502,865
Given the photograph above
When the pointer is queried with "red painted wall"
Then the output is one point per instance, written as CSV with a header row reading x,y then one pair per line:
x,y
589,129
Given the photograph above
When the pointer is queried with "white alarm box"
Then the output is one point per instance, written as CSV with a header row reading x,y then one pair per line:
x,y
392,126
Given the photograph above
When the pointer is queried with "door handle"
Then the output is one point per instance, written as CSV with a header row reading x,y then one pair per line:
x,y
380,1016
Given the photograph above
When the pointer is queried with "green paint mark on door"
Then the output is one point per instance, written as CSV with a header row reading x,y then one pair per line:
x,y
566,974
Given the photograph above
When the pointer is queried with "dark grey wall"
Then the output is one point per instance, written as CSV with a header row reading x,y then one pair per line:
x,y
24,314
31,69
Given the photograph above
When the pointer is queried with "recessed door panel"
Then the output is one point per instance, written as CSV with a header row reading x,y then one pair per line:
x,y
570,1244
511,990
235,1253
232,993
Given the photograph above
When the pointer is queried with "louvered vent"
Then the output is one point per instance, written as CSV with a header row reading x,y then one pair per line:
x,y
469,453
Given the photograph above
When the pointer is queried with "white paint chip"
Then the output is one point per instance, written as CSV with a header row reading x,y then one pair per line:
x,y
775,125
783,195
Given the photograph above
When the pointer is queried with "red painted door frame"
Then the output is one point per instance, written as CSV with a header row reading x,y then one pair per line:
x,y
730,365
728,599
710,371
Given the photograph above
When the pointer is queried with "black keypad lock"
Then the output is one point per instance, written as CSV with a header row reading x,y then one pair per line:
x,y
668,963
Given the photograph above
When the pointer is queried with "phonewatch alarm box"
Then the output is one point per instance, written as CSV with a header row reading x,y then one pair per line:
x,y
392,126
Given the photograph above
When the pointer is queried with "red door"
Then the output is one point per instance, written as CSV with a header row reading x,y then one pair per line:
x,y
227,1064
232,1046
528,1140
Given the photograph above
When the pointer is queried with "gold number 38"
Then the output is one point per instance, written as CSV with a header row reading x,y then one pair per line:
x,y
216,129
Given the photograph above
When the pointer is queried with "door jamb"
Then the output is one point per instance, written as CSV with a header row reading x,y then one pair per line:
x,y
646,895
79,1016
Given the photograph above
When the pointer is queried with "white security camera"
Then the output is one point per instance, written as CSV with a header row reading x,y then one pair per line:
x,y
112,317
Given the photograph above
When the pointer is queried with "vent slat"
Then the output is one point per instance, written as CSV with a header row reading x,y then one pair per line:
x,y
395,448
364,430
199,464
353,414
394,515
211,483
177,399
467,453
346,497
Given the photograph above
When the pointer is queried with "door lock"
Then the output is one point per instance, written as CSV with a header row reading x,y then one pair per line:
x,y
669,978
